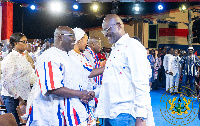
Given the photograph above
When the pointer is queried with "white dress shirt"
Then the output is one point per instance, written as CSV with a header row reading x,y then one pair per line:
x,y
125,87
175,65
16,75
55,69
170,63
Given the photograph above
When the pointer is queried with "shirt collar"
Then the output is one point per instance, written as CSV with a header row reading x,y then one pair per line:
x,y
16,53
122,39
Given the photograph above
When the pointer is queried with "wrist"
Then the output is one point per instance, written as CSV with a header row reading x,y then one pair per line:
x,y
141,118
78,93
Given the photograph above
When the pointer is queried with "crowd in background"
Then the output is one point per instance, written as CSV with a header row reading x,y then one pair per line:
x,y
172,68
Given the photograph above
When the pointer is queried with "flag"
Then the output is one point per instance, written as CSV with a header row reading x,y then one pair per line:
x,y
195,53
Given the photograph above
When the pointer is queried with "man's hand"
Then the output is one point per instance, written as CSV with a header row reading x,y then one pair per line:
x,y
91,95
140,122
170,73
103,63
84,96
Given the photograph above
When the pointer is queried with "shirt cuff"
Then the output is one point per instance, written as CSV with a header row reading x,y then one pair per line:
x,y
97,91
141,112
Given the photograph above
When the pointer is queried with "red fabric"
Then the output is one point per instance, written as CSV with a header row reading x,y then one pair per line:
x,y
195,53
101,56
76,121
30,109
96,100
173,32
7,20
51,75
39,80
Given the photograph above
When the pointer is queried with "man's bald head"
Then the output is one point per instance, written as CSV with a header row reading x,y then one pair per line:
x,y
95,44
64,38
113,28
112,18
93,40
28,47
62,29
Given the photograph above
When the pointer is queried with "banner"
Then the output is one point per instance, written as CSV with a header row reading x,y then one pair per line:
x,y
7,22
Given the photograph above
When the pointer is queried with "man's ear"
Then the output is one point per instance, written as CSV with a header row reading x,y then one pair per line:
x,y
119,26
60,38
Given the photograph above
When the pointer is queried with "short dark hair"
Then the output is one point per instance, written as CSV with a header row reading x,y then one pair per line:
x,y
15,37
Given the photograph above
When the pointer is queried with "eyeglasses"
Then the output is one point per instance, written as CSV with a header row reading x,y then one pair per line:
x,y
68,35
105,31
25,42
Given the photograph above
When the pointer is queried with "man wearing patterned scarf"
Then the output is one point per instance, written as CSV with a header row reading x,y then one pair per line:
x,y
94,47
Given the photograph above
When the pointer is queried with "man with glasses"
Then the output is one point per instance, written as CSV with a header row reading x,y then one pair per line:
x,y
190,69
60,91
124,98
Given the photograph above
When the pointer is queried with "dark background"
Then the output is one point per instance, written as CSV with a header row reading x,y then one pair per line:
x,y
41,23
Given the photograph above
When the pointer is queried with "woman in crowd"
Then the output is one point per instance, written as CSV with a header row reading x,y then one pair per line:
x,y
151,59
79,47
16,72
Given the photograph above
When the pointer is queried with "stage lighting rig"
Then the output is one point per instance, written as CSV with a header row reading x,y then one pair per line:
x,y
115,8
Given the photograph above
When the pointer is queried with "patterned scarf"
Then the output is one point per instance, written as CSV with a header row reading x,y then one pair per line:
x,y
97,79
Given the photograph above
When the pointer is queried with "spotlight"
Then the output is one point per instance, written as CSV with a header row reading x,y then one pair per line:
x,y
75,6
56,6
160,7
183,8
32,7
137,8
95,8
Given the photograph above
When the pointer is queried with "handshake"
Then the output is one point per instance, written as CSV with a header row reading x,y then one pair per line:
x,y
87,96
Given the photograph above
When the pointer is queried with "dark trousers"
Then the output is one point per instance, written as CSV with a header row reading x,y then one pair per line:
x,y
197,80
11,105
157,82
163,76
191,82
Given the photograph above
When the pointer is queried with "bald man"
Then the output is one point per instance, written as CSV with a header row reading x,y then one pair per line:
x,y
124,98
94,47
60,94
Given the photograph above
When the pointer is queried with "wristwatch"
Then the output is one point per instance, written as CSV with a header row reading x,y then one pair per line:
x,y
142,118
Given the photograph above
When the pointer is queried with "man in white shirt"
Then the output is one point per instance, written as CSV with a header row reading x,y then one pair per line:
x,y
176,70
62,85
167,63
124,96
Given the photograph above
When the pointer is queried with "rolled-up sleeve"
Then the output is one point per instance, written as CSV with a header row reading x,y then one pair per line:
x,y
139,67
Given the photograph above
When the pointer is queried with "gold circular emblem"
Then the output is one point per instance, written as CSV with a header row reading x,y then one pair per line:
x,y
177,109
